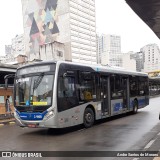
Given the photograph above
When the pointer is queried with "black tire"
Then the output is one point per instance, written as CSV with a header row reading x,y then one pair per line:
x,y
89,118
135,107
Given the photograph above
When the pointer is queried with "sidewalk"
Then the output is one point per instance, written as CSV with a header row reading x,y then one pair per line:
x,y
6,119
151,145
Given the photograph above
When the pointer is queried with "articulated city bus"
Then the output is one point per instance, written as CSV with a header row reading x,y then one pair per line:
x,y
63,94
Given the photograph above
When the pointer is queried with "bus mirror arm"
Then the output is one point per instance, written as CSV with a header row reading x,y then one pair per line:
x,y
6,79
6,83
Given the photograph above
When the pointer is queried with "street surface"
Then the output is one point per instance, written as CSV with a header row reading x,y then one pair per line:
x,y
121,133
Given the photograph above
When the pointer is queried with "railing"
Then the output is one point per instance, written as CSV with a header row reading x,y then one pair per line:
x,y
154,92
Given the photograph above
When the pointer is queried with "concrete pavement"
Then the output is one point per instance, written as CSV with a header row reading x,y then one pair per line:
x,y
150,142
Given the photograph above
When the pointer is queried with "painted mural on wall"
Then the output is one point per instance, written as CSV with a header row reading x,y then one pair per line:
x,y
40,23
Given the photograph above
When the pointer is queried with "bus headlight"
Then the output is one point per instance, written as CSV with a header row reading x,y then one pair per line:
x,y
49,115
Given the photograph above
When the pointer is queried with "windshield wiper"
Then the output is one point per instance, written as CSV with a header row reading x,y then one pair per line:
x,y
38,81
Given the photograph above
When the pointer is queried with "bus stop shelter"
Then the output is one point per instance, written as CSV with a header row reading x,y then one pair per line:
x,y
148,11
6,69
154,86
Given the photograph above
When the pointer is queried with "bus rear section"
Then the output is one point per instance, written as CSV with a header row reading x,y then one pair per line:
x,y
89,93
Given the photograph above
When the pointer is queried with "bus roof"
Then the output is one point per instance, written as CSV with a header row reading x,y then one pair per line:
x,y
96,68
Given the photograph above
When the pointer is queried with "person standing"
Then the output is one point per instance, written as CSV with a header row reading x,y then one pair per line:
x,y
7,105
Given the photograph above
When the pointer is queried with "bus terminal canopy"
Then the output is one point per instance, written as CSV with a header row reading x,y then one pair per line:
x,y
149,12
154,81
6,69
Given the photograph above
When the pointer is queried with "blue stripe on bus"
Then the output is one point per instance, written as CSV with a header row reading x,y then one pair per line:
x,y
131,104
117,107
32,116
141,102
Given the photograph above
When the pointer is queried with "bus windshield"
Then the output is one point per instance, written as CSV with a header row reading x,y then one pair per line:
x,y
34,90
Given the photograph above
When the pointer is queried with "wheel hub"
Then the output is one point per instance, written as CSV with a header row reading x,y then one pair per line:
x,y
88,117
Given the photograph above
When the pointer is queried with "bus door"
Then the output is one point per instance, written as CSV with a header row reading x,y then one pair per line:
x,y
125,87
104,94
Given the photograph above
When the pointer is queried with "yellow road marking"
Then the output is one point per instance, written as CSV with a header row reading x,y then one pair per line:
x,y
156,158
11,122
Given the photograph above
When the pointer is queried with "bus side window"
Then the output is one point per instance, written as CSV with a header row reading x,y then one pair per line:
x,y
133,81
142,86
67,97
116,86
60,87
87,87
69,84
66,87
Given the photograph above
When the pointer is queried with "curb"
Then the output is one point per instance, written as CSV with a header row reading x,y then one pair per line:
x,y
1,124
154,96
7,122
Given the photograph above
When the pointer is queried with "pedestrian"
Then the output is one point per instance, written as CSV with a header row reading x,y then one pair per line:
x,y
7,105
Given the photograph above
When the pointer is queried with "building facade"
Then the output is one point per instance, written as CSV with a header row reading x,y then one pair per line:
x,y
8,49
139,58
109,50
69,22
151,57
54,50
18,45
15,51
102,52
128,62
114,49
98,49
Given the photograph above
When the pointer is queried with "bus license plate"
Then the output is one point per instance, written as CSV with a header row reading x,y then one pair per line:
x,y
31,125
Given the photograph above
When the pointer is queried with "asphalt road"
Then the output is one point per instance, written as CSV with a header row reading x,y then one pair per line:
x,y
121,133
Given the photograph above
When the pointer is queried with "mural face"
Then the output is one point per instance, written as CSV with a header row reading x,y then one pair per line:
x,y
39,23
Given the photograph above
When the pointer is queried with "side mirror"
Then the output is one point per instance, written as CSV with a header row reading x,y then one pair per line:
x,y
64,75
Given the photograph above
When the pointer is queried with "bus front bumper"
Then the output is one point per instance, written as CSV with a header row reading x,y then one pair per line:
x,y
45,123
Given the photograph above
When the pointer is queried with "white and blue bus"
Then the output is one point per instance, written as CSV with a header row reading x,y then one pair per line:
x,y
63,94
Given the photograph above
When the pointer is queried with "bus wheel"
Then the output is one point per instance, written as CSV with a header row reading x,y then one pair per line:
x,y
88,119
135,107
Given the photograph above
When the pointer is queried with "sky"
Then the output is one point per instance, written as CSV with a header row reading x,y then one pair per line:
x,y
112,17
11,22
116,17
